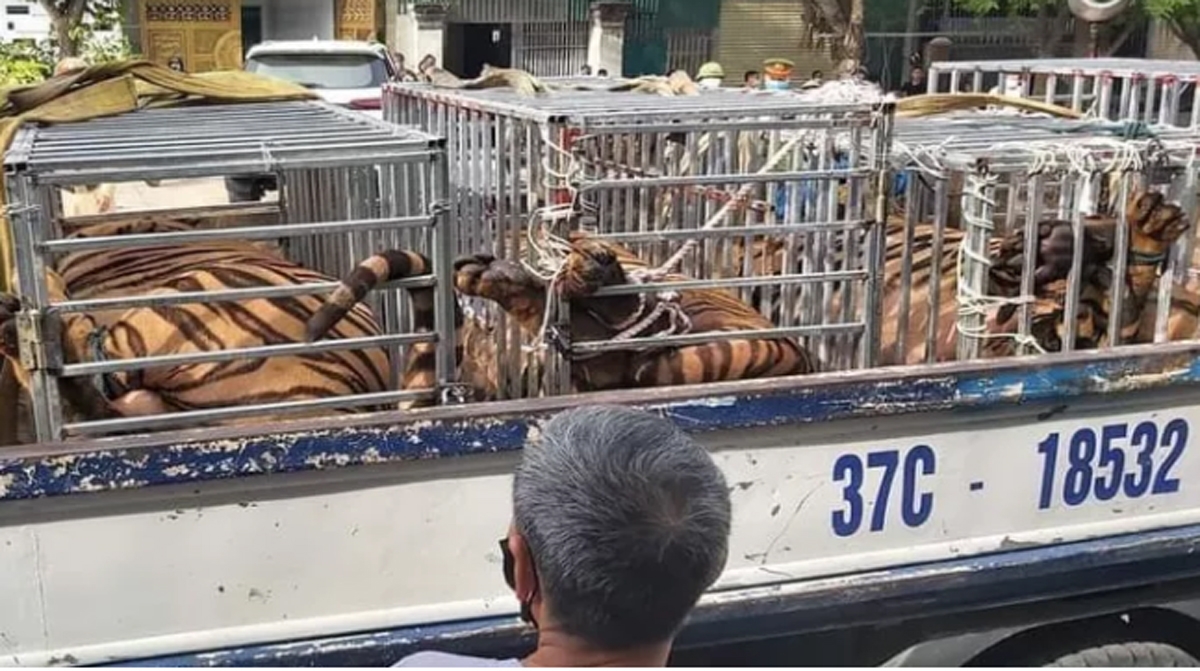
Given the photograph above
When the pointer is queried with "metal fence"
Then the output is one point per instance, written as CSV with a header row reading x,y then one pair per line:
x,y
348,186
974,179
1135,89
692,184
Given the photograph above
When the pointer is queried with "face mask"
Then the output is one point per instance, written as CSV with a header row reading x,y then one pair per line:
x,y
710,83
510,578
775,85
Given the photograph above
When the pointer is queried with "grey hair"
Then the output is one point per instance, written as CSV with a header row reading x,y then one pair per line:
x,y
627,520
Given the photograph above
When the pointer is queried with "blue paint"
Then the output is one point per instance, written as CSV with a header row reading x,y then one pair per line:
x,y
394,437
906,594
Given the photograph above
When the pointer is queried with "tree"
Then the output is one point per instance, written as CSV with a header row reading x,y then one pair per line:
x,y
1054,18
838,23
1182,17
73,21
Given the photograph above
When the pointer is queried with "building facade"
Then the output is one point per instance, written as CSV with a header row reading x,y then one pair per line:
x,y
546,37
558,37
26,21
215,34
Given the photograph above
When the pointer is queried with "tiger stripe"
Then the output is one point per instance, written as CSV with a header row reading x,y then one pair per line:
x,y
592,264
191,328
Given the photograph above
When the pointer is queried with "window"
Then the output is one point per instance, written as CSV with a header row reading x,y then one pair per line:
x,y
322,71
16,9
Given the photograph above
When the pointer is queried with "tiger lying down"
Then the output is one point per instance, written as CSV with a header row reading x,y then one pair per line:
x,y
590,265
189,328
180,329
1154,226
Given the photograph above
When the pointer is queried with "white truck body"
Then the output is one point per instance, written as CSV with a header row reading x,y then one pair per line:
x,y
181,547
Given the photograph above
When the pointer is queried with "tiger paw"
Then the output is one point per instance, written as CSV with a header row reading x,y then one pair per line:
x,y
9,307
1154,224
485,276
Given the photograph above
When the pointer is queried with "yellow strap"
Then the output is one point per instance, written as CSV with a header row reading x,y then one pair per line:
x,y
117,88
941,103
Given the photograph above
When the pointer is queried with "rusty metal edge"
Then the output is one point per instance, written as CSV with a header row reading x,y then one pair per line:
x,y
356,440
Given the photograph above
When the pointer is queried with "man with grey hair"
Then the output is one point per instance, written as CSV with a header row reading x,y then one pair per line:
x,y
620,522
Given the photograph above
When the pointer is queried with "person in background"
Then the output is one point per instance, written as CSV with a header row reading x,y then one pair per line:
x,y
814,80
710,75
751,80
586,70
915,85
176,63
601,72
777,74
620,522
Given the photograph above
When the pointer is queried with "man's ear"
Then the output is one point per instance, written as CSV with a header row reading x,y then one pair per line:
x,y
526,575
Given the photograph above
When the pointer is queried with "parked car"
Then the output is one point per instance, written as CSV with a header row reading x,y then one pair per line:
x,y
344,73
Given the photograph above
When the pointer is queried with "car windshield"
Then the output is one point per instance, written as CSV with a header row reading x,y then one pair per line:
x,y
322,71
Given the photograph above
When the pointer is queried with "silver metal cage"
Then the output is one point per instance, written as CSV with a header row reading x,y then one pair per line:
x,y
348,187
1131,89
683,182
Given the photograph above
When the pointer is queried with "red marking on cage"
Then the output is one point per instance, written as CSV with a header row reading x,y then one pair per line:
x,y
1167,79
1106,75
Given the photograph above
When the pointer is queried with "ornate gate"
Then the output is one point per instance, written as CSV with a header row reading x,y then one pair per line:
x,y
356,19
205,34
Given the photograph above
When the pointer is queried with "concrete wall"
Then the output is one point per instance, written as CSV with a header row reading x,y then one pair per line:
x,y
1164,45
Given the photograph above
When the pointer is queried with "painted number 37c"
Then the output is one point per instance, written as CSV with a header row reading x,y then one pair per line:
x,y
915,505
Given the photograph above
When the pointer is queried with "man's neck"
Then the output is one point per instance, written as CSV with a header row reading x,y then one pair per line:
x,y
559,650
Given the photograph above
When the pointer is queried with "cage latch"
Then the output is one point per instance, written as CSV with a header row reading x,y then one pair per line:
x,y
39,338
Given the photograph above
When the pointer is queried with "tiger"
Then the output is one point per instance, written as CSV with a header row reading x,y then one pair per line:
x,y
1154,225
189,328
590,264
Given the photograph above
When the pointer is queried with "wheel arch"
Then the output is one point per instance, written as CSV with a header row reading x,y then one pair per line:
x,y
1176,624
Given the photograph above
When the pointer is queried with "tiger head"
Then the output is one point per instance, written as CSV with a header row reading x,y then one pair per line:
x,y
1154,225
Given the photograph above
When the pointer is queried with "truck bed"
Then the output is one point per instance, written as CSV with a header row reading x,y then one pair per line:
x,y
372,536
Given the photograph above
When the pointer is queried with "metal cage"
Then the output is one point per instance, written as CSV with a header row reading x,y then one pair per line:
x,y
1117,89
991,176
348,187
688,183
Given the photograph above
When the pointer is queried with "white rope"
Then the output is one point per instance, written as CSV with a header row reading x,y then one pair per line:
x,y
971,302
1095,155
925,157
721,215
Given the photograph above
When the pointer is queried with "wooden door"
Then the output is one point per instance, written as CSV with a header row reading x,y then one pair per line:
x,y
356,19
206,34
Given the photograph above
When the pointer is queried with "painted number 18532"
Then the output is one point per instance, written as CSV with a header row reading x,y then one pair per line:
x,y
1099,464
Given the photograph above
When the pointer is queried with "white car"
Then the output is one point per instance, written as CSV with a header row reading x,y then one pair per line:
x,y
350,74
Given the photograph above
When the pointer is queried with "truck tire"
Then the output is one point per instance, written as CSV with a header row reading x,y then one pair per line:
x,y
1129,654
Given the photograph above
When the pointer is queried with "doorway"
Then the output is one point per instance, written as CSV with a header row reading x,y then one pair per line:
x,y
470,45
252,27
